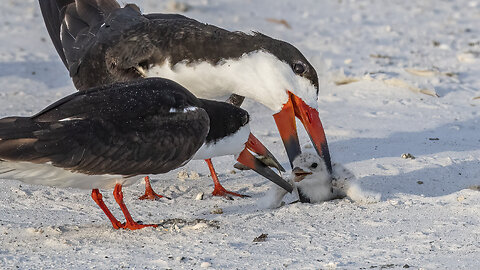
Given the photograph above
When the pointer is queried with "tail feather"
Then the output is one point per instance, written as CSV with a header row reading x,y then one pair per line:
x,y
73,23
65,19
18,128
21,150
51,12
17,139
94,11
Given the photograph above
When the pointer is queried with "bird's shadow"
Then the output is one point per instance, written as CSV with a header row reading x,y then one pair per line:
x,y
442,173
428,182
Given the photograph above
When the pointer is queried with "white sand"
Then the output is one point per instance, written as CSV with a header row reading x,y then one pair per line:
x,y
395,56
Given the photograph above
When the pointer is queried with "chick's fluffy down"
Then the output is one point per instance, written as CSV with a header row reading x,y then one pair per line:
x,y
317,184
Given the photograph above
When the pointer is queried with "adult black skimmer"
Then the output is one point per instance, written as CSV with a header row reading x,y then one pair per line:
x,y
101,42
110,136
213,146
221,140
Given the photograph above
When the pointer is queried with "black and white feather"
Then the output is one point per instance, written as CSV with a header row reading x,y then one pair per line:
x,y
104,136
101,43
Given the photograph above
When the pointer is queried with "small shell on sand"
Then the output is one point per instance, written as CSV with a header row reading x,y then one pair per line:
x,y
183,174
216,211
199,196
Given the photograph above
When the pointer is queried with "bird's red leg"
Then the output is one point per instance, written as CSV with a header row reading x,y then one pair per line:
x,y
130,223
219,190
97,197
149,193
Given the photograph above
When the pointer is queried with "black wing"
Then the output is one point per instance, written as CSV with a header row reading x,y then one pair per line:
x,y
101,43
68,20
125,129
72,25
51,11
166,16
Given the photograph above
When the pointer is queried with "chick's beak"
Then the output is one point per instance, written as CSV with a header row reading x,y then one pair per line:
x,y
300,174
285,120
260,166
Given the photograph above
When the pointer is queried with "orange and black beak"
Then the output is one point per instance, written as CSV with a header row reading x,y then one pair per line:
x,y
254,145
285,120
261,166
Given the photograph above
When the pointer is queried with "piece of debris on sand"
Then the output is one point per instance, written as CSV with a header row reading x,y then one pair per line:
x,y
261,238
408,156
216,210
474,187
280,21
178,224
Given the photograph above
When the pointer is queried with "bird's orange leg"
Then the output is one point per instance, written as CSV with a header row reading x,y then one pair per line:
x,y
149,193
97,197
130,223
219,190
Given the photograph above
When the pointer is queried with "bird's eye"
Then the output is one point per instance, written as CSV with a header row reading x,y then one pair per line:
x,y
314,165
299,68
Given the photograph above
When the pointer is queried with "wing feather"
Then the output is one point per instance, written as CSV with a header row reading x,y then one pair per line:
x,y
125,129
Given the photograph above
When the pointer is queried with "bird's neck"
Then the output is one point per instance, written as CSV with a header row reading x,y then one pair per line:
x,y
258,75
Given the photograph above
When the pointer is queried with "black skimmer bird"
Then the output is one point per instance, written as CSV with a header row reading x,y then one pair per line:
x,y
221,141
100,42
110,136
210,145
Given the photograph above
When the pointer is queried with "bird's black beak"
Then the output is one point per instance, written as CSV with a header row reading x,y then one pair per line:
x,y
248,159
285,120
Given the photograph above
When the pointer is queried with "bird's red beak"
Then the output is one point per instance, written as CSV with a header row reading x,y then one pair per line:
x,y
285,120
254,145
261,166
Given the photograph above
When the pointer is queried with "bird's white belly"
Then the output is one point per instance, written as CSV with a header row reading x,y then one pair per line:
x,y
231,145
258,75
48,175
202,79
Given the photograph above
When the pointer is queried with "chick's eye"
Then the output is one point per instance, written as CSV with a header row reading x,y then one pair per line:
x,y
299,68
314,165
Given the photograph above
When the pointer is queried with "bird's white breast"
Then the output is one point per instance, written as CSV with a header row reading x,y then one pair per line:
x,y
48,175
257,75
231,145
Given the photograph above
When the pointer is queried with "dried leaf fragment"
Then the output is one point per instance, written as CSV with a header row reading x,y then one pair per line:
x,y
261,238
280,21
